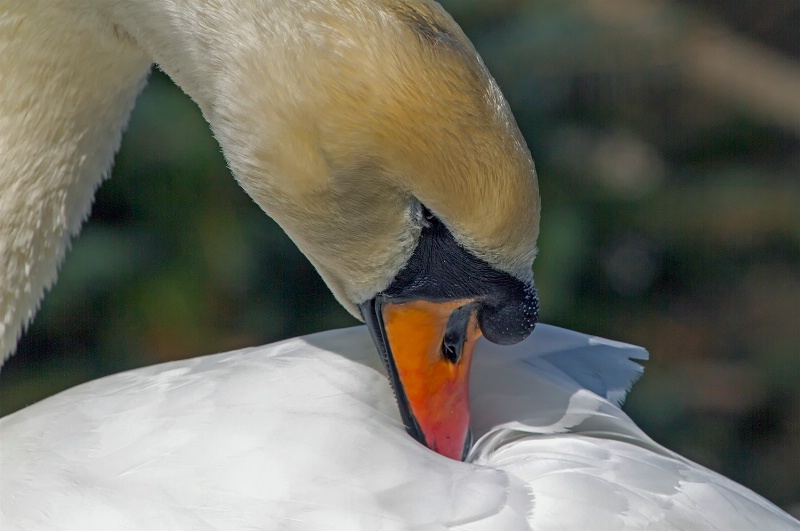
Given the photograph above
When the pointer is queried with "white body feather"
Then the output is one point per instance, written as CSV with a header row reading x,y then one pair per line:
x,y
305,434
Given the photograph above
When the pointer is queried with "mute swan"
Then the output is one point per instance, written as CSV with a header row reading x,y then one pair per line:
x,y
371,131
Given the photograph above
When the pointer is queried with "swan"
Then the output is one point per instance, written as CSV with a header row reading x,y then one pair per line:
x,y
372,133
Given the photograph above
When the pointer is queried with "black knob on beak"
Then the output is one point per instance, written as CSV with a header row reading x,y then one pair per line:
x,y
509,319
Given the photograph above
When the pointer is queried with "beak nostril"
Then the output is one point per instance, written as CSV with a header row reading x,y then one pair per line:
x,y
450,351
456,333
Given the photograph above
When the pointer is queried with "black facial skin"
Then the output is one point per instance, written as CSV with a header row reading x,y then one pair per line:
x,y
441,270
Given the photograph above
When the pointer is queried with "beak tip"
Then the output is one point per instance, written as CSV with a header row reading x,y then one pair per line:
x,y
454,451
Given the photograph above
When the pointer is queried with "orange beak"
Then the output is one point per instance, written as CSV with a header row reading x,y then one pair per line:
x,y
430,347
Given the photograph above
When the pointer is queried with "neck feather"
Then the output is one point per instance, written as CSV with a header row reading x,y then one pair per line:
x,y
69,83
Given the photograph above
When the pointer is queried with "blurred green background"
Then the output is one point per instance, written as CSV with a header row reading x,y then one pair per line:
x,y
667,140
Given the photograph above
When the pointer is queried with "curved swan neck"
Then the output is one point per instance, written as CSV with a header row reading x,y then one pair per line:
x,y
71,72
334,115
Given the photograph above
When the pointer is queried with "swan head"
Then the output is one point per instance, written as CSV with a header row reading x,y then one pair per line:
x,y
393,162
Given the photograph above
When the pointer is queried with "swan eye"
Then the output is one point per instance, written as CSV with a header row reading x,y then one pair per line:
x,y
449,351
427,218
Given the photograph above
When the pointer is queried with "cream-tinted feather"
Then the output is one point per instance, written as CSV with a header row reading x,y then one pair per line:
x,y
67,86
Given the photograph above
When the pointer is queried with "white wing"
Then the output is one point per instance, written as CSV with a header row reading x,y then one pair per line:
x,y
304,434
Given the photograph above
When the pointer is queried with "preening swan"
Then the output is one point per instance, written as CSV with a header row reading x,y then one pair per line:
x,y
372,132
354,125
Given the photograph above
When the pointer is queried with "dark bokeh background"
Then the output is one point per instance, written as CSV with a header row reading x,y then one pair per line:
x,y
667,140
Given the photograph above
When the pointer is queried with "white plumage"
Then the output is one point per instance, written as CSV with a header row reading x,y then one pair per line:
x,y
304,434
